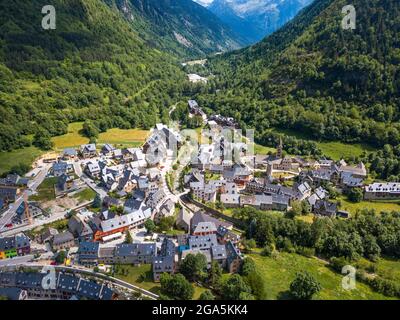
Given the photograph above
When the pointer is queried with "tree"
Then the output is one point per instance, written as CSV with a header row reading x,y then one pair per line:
x,y
176,286
207,295
128,237
257,284
234,287
194,266
166,223
150,226
371,249
296,210
42,140
264,232
304,286
248,266
97,201
246,296
20,169
214,275
249,244
61,256
267,250
90,130
355,195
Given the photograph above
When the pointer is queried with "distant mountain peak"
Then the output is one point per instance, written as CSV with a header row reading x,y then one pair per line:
x,y
255,19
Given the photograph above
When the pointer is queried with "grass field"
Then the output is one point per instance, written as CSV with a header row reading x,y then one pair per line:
x,y
139,276
133,137
279,273
45,191
143,277
85,195
334,150
389,269
259,149
338,150
74,138
376,205
15,157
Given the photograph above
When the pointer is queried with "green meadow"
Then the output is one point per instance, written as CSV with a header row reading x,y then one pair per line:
x,y
280,271
333,149
21,156
124,137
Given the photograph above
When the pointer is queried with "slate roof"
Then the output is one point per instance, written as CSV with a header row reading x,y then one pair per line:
x,y
7,243
218,252
388,187
203,242
205,226
135,249
11,293
63,237
88,250
125,220
202,217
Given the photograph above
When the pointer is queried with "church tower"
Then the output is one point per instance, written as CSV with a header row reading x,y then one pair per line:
x,y
279,149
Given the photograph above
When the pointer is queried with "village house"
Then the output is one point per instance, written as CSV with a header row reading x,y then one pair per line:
x,y
196,110
114,228
88,151
319,194
165,261
381,190
167,209
325,208
135,253
108,150
88,253
65,183
204,228
230,200
358,171
60,168
80,229
234,258
304,190
183,219
69,154
62,241
224,235
93,169
67,286
18,245
203,217
206,192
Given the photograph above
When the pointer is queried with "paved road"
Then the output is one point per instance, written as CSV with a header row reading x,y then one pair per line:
x,y
16,261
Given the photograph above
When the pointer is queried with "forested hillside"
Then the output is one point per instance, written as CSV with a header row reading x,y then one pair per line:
x,y
317,78
93,66
181,27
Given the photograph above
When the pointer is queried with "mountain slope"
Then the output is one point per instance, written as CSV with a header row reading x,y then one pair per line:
x,y
254,19
93,66
181,27
317,78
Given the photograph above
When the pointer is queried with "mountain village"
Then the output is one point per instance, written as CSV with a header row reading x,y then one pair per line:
x,y
133,186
